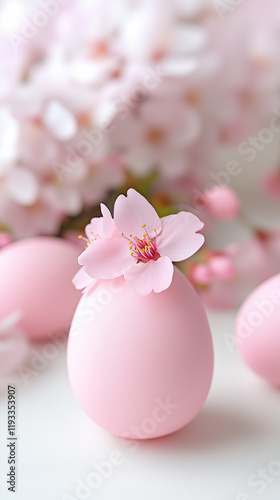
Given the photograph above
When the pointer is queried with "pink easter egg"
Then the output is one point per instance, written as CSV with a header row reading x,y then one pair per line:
x,y
140,367
36,280
258,330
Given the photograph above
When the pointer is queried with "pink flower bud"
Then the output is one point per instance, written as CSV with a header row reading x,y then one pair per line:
x,y
201,274
222,202
222,267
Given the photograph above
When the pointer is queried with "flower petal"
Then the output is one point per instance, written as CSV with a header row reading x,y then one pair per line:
x,y
108,222
178,239
178,66
82,279
22,186
103,226
106,258
60,121
188,38
94,227
131,212
155,276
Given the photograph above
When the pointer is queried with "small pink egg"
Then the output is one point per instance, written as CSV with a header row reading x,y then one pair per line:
x,y
258,330
36,279
140,367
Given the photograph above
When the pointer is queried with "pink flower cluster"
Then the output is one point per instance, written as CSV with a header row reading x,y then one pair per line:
x,y
92,90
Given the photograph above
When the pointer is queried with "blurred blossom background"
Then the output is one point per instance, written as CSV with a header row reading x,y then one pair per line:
x,y
179,99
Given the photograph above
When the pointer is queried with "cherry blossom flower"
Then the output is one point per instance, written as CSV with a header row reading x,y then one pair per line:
x,y
144,247
38,217
158,137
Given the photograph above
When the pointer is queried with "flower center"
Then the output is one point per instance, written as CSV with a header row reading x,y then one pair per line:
x,y
92,239
155,136
144,249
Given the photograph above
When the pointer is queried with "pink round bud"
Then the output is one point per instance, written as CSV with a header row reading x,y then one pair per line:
x,y
201,274
222,202
222,267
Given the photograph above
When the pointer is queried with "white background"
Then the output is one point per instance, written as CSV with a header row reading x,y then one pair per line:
x,y
236,434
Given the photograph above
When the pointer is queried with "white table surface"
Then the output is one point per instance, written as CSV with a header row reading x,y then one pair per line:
x,y
236,434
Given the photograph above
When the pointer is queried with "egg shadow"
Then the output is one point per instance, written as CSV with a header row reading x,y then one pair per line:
x,y
212,428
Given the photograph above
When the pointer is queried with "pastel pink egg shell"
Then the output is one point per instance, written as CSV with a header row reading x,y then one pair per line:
x,y
129,357
258,330
36,279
